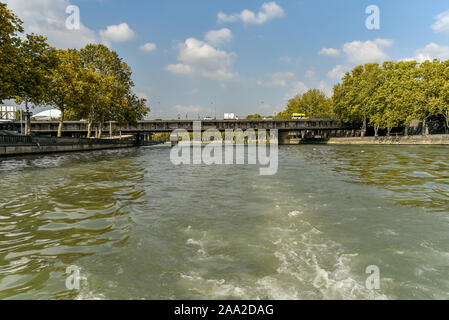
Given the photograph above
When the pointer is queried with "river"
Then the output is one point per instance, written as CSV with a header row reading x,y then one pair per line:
x,y
137,227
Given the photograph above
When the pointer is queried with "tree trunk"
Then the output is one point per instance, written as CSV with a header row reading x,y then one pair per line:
x,y
424,127
406,130
389,131
28,119
61,122
100,130
376,131
89,129
446,116
364,127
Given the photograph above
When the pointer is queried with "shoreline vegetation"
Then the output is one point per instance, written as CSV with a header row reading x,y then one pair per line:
x,y
93,83
395,97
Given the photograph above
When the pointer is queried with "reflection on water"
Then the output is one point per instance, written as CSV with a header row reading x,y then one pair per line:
x,y
140,228
415,175
57,209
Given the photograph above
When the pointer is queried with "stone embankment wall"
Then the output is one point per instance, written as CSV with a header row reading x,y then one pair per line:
x,y
21,145
437,139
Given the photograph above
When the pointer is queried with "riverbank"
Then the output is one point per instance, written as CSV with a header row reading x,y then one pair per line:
x,y
22,145
437,139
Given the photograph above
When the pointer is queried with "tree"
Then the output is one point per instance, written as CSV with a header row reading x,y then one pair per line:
x,y
112,99
132,110
345,98
426,92
255,116
313,103
10,28
67,85
35,61
444,104
353,98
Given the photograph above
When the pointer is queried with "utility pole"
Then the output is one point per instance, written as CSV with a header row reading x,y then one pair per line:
x,y
214,103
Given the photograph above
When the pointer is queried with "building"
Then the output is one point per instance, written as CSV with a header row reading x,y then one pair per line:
x,y
8,113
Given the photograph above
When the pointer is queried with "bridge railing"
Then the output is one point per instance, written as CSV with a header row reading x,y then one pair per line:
x,y
15,140
10,140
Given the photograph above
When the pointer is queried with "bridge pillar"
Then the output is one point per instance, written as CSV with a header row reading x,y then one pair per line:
x,y
174,139
284,138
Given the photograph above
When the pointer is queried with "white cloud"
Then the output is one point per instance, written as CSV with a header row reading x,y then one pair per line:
x,y
148,47
179,68
329,52
219,37
278,79
269,11
187,109
368,51
338,72
360,52
201,59
117,33
286,59
430,52
442,22
48,18
143,95
326,88
297,87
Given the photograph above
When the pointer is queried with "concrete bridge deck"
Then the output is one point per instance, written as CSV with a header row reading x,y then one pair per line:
x,y
289,130
158,126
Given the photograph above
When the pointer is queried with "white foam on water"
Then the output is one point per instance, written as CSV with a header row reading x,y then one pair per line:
x,y
89,295
194,242
309,266
211,288
294,213
318,267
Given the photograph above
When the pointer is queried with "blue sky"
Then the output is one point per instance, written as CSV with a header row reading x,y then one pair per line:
x,y
195,57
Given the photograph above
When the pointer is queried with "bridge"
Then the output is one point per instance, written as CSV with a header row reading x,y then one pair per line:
x,y
289,130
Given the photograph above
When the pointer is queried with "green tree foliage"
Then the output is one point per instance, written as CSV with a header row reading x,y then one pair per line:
x,y
313,103
67,86
383,96
394,94
10,29
353,98
112,99
93,84
35,61
255,116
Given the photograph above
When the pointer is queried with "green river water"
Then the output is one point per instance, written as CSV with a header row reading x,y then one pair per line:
x,y
138,227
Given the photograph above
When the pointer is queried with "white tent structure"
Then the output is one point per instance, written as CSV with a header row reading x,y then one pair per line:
x,y
48,115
